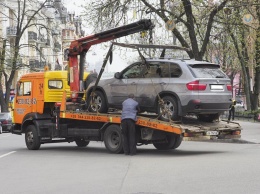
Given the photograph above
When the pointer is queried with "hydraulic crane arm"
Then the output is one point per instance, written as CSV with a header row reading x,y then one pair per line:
x,y
82,45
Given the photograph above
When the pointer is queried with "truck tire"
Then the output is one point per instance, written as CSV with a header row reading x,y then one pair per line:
x,y
178,140
171,105
169,144
32,139
81,142
100,104
113,139
1,130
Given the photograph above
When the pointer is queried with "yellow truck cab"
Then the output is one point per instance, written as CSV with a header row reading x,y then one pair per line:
x,y
38,92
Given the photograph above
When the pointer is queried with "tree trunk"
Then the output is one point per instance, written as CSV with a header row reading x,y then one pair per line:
x,y
257,68
244,71
4,106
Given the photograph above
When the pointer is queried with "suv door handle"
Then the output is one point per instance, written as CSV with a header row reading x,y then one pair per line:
x,y
163,83
133,83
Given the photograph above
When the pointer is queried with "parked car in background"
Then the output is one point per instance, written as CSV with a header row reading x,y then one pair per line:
x,y
169,87
5,121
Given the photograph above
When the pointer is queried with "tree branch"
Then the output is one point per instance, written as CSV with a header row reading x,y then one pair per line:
x,y
209,26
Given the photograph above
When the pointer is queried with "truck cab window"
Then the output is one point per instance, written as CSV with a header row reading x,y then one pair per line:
x,y
55,84
24,89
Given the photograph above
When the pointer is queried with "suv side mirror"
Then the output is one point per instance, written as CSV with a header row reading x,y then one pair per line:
x,y
117,75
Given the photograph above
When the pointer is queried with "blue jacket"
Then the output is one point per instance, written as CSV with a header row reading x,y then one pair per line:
x,y
129,110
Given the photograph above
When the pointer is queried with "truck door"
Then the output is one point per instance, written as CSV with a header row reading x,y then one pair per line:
x,y
24,101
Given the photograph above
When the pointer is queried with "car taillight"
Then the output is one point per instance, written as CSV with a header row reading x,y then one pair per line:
x,y
5,122
229,87
195,85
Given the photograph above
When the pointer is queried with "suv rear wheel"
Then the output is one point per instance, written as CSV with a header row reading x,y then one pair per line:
x,y
169,109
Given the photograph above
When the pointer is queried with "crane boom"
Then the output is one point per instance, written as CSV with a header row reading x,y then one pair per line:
x,y
82,45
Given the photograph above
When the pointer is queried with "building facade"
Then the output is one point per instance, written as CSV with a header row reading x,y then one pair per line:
x,y
47,30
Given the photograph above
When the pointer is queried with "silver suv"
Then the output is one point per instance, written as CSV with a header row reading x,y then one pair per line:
x,y
168,87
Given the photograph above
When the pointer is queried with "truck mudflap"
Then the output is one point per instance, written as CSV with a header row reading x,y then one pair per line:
x,y
202,131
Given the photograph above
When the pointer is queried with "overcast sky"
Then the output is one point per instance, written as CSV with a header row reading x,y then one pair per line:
x,y
96,55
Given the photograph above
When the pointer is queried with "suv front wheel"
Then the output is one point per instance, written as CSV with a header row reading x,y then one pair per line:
x,y
99,103
168,109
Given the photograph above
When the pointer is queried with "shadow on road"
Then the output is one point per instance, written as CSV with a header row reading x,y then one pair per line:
x,y
101,151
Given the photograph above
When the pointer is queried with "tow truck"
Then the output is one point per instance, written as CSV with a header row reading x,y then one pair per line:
x,y
48,108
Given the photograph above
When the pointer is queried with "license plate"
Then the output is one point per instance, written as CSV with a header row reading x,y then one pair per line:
x,y
216,87
212,133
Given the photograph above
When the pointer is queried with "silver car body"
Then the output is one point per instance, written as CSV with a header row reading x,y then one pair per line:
x,y
199,87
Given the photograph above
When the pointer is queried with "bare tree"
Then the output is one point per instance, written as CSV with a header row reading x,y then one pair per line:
x,y
244,39
196,25
23,19
196,18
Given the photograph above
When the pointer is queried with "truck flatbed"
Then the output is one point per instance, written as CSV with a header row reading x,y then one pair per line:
x,y
189,127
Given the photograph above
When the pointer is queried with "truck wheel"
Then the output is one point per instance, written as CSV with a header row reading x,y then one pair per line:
x,y
99,104
32,139
81,142
178,140
170,107
169,144
113,139
1,130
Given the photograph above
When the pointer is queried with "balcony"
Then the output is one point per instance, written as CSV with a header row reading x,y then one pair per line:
x,y
68,38
9,62
41,38
69,27
44,42
11,31
57,47
36,64
32,36
55,32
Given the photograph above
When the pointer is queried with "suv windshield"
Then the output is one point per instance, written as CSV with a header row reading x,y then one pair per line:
x,y
207,71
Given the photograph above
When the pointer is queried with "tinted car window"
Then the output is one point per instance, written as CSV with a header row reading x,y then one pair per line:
x,y
162,69
175,70
207,71
135,71
153,71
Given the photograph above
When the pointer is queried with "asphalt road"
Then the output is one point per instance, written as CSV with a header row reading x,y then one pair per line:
x,y
195,167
